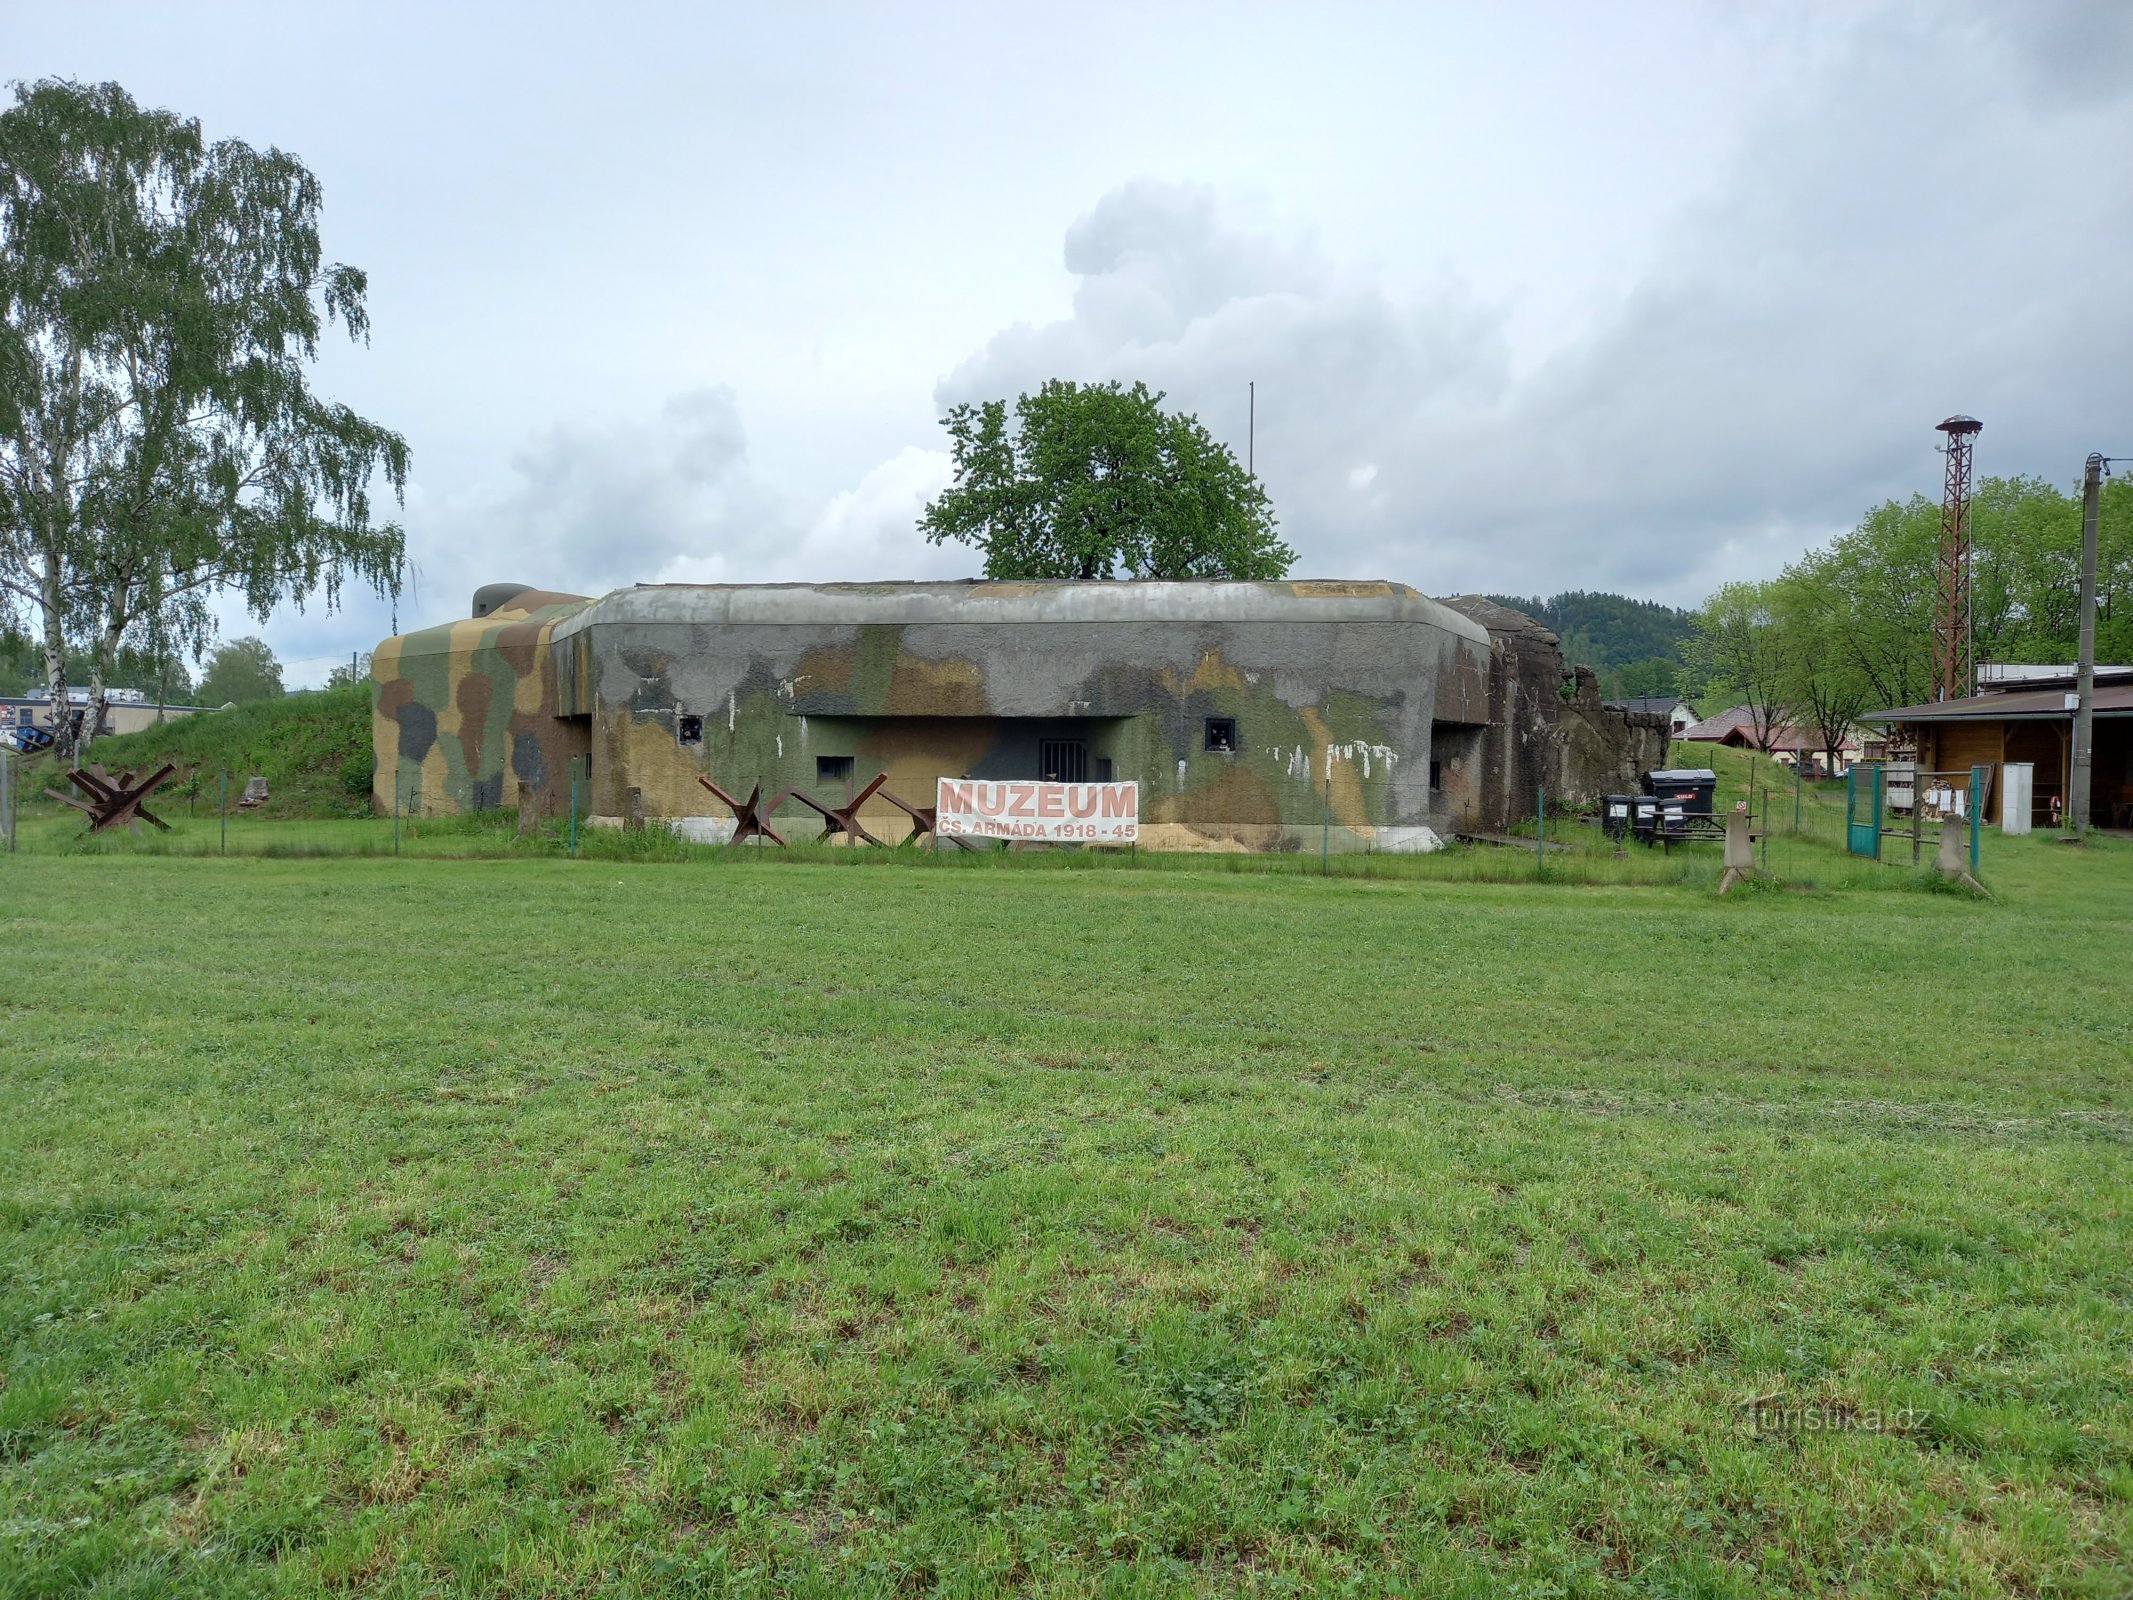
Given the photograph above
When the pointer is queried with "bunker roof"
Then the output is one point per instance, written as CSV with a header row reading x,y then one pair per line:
x,y
982,602
534,606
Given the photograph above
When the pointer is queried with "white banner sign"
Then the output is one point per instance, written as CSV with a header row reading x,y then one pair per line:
x,y
1065,813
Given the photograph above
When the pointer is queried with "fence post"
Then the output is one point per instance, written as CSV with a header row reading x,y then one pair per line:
x,y
396,811
1977,804
1881,792
222,803
573,816
1799,765
7,796
1766,830
1540,832
1325,824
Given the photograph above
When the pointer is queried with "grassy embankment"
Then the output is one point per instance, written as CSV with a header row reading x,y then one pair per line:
x,y
312,747
527,1228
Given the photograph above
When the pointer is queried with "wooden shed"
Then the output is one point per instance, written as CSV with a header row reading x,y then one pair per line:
x,y
2034,725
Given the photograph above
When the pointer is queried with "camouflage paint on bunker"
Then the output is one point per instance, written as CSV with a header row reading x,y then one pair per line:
x,y
1250,713
465,713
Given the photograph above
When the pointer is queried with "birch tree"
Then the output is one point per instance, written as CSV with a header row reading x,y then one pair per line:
x,y
161,301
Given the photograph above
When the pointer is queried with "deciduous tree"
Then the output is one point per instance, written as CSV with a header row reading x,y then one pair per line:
x,y
2025,572
161,301
1820,678
241,671
1741,650
1098,480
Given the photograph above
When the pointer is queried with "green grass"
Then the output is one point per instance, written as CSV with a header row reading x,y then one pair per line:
x,y
1806,851
312,747
1577,854
537,1227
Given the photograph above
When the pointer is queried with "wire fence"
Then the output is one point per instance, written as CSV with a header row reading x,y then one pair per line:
x,y
1799,826
1798,829
1897,811
218,813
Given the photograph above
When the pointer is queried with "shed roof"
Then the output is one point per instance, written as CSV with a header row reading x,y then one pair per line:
x,y
2037,705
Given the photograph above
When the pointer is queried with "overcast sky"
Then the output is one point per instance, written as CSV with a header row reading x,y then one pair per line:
x,y
1536,297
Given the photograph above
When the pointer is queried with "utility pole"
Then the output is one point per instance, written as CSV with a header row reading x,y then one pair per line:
x,y
1251,428
2085,660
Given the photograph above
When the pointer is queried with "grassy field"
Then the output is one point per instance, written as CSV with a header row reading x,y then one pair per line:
x,y
542,1227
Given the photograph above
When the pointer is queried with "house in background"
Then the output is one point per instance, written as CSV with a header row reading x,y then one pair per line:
x,y
1680,715
1789,745
125,710
1734,727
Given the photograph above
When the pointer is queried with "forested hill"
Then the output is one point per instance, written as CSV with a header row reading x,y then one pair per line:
x,y
1634,644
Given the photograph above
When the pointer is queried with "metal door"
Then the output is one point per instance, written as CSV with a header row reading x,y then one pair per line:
x,y
1863,790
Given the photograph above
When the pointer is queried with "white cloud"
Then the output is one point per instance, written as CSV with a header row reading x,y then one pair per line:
x,y
871,530
1625,298
590,508
867,532
671,498
1917,230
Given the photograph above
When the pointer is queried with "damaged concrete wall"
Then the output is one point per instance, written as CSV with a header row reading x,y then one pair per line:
x,y
1545,726
1426,717
773,684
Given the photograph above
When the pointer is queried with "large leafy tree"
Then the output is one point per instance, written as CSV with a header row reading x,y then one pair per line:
x,y
1743,649
161,301
1654,675
239,672
1875,586
1095,481
1882,573
1820,677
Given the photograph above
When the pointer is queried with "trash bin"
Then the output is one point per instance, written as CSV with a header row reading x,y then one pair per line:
x,y
1683,791
1614,815
1644,816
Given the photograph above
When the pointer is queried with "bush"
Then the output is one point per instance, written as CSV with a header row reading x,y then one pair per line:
x,y
357,772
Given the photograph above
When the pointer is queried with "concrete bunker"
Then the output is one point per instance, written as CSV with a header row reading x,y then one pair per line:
x,y
1249,713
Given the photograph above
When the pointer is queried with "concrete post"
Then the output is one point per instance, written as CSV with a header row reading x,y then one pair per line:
x,y
1740,849
2077,800
1953,861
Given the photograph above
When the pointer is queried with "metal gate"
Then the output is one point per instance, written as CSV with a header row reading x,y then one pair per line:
x,y
1864,790
1063,760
